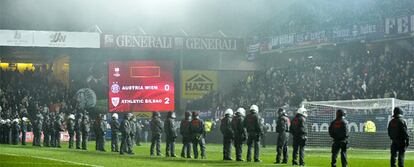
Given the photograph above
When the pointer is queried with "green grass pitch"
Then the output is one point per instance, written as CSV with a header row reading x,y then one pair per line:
x,y
18,155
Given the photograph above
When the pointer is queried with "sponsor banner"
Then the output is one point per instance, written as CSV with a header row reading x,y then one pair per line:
x,y
170,42
195,84
399,25
60,39
356,32
64,136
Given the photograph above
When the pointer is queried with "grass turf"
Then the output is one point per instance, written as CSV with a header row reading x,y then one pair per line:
x,y
17,155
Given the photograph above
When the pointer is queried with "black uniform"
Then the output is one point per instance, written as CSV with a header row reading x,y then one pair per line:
x,y
7,132
186,134
240,135
156,126
52,131
15,132
46,130
85,127
397,131
228,135
23,129
198,132
171,135
71,130
338,130
100,129
125,129
299,131
114,136
254,130
37,130
78,130
57,129
282,128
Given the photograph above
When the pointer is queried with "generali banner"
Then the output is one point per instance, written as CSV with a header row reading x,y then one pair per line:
x,y
60,39
170,42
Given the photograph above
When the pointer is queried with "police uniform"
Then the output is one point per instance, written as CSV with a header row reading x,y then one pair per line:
x,y
15,131
240,133
254,131
125,129
282,128
198,132
78,130
397,131
186,134
70,125
171,135
156,126
299,131
85,127
100,134
338,130
37,130
57,129
2,125
228,134
46,130
133,131
114,133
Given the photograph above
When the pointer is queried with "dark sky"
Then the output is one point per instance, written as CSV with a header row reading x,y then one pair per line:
x,y
196,17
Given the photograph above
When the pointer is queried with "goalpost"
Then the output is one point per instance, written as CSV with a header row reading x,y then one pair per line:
x,y
368,120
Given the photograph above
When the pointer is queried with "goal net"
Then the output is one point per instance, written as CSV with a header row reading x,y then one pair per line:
x,y
368,120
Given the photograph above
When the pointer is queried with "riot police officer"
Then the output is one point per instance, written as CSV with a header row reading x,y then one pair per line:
x,y
57,129
23,129
282,128
228,134
2,129
78,130
70,125
397,131
100,129
240,133
198,133
186,134
254,131
47,130
171,134
15,131
156,126
299,131
338,130
85,127
114,131
125,129
37,130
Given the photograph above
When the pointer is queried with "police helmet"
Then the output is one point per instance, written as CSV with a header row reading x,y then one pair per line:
x,y
254,108
115,115
228,112
398,111
241,111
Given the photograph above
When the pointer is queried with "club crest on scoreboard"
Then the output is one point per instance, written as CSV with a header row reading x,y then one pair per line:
x,y
115,101
115,88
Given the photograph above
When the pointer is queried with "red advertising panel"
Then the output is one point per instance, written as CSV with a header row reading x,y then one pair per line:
x,y
145,85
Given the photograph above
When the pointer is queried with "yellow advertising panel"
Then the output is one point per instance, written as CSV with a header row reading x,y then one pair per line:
x,y
195,84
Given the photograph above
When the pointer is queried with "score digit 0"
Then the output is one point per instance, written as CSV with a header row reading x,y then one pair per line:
x,y
167,87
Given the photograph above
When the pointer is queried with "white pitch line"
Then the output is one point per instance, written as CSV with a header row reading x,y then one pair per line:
x,y
52,159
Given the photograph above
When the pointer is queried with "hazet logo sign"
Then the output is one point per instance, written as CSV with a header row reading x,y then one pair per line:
x,y
195,84
199,82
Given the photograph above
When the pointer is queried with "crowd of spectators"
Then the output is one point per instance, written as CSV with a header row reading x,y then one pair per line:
x,y
359,74
23,94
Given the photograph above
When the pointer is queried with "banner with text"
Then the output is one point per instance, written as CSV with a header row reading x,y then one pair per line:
x,y
195,84
59,39
170,42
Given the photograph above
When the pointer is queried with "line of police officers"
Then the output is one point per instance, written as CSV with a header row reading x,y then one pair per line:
x,y
236,130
